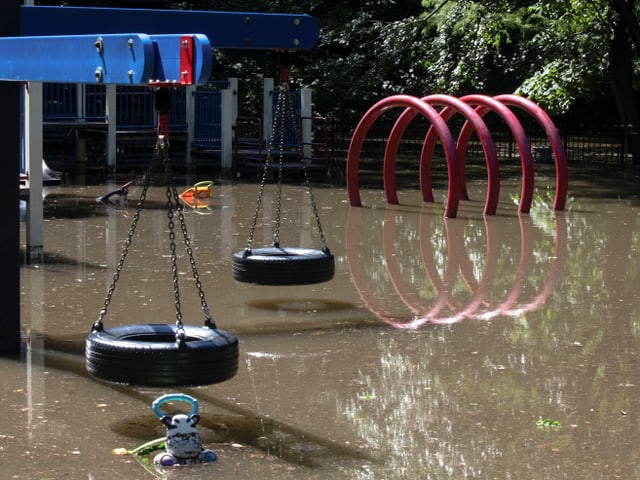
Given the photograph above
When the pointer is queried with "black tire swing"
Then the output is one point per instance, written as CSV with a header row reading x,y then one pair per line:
x,y
162,355
277,265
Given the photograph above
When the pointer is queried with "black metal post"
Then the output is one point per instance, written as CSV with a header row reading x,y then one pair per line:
x,y
10,193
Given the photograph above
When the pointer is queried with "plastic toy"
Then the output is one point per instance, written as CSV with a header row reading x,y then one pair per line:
x,y
183,445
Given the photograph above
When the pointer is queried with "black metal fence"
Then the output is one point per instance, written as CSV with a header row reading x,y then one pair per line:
x,y
583,144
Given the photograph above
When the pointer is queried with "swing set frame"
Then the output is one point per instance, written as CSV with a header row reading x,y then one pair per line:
x,y
29,28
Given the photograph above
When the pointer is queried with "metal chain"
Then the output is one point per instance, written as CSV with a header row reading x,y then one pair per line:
x,y
98,325
305,171
280,120
263,181
208,319
174,257
284,103
161,154
173,207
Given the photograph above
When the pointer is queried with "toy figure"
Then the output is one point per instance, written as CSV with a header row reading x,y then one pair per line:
x,y
183,445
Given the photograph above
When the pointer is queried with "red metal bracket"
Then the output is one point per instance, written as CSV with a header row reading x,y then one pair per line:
x,y
186,59
186,63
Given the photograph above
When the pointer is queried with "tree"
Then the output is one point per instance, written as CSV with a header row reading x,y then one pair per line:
x,y
588,49
567,55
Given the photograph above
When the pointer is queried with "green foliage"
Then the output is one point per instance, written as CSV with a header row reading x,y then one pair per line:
x,y
570,52
555,52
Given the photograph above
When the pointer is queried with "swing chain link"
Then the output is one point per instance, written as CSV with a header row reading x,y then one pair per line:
x,y
192,262
172,247
161,155
279,119
98,325
305,170
284,103
173,209
263,181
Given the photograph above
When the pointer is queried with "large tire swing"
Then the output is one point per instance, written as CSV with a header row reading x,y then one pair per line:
x,y
162,355
277,265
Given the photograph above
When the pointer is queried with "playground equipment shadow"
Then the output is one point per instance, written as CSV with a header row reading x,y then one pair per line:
x,y
471,347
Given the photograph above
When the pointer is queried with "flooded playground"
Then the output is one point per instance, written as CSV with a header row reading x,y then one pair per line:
x,y
504,346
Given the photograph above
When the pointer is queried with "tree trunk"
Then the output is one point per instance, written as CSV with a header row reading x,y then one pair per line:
x,y
627,16
621,78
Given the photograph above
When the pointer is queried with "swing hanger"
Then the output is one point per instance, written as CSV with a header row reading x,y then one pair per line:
x,y
277,265
158,354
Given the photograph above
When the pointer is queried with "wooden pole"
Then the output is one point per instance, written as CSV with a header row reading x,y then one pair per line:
x,y
10,193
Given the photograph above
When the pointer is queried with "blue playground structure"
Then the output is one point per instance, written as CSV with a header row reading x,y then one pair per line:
x,y
156,49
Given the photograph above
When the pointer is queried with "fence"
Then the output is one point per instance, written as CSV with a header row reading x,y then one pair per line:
x,y
65,102
593,144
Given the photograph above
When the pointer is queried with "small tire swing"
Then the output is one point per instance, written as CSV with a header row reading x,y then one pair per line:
x,y
277,265
161,355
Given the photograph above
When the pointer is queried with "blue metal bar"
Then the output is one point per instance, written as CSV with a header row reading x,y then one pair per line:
x,y
121,59
267,31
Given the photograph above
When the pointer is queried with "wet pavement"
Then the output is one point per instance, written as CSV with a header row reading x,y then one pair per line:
x,y
497,347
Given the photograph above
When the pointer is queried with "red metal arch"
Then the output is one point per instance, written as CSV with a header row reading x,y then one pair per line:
x,y
455,161
485,105
451,105
562,173
440,126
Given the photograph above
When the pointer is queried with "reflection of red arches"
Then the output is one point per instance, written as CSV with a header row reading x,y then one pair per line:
x,y
444,308
455,163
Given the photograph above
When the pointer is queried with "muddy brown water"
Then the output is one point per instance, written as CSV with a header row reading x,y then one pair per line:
x,y
499,347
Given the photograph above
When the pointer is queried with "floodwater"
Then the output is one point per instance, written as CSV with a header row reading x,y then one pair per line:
x,y
498,347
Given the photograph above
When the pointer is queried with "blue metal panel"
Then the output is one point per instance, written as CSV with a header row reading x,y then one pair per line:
x,y
135,108
224,29
178,114
121,59
95,102
64,59
208,119
59,101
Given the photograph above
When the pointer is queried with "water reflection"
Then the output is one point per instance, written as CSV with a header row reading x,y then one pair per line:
x,y
542,321
440,273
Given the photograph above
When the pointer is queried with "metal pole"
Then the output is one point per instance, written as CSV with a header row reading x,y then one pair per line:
x,y
10,194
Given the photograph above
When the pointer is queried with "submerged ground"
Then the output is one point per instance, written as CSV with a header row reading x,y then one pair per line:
x,y
497,347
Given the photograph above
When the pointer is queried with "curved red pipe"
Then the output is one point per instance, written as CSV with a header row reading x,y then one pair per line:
x,y
562,174
404,290
452,105
360,280
485,105
440,126
557,266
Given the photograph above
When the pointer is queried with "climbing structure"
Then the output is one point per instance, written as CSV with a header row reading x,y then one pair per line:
x,y
455,153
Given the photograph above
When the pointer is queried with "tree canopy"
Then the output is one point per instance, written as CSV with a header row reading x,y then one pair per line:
x,y
570,56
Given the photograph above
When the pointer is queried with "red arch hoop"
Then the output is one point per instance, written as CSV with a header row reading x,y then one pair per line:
x,y
562,171
485,105
430,113
455,157
480,306
452,106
